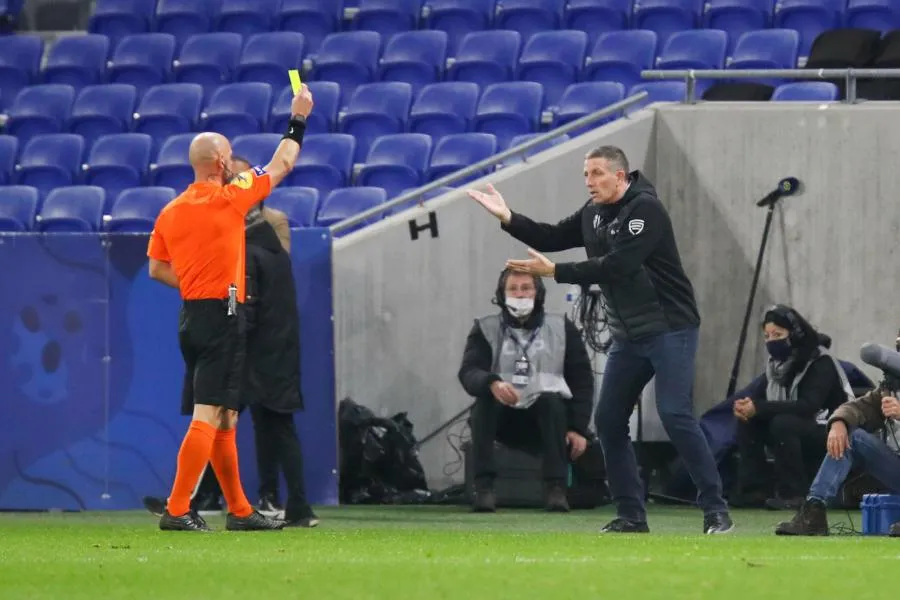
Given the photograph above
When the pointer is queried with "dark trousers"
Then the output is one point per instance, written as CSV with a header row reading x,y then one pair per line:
x,y
629,367
797,444
277,445
540,428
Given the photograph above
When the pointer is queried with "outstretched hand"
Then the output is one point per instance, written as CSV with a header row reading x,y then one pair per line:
x,y
538,265
492,202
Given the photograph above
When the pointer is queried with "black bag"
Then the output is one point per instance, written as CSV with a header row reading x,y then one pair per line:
x,y
378,458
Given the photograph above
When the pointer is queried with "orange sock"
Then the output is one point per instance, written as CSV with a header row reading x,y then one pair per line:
x,y
192,458
225,464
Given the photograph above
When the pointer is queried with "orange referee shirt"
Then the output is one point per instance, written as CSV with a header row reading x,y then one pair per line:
x,y
202,234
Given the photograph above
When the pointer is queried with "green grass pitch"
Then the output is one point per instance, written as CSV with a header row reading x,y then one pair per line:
x,y
438,552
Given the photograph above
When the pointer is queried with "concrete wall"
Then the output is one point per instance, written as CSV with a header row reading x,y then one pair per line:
x,y
831,253
403,308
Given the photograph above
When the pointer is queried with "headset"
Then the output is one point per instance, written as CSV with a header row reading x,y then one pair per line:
x,y
798,333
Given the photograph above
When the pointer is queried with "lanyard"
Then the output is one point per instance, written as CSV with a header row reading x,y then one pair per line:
x,y
527,345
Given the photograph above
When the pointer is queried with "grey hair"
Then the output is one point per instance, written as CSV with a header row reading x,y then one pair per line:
x,y
613,155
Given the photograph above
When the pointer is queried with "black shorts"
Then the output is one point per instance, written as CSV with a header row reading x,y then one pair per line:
x,y
214,349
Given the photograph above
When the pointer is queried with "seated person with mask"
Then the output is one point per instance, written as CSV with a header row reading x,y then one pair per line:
x,y
534,387
802,381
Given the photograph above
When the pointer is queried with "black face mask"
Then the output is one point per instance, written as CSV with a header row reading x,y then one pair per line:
x,y
780,350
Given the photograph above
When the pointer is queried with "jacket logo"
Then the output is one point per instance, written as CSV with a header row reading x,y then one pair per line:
x,y
635,226
596,222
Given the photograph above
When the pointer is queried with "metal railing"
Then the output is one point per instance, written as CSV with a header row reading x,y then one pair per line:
x,y
489,162
690,77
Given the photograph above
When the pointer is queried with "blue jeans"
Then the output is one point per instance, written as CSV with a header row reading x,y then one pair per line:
x,y
866,450
629,367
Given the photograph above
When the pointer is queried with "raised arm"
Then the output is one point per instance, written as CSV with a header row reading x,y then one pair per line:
x,y
289,149
545,237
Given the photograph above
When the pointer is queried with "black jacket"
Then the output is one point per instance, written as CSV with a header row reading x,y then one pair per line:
x,y
273,340
632,256
476,376
820,388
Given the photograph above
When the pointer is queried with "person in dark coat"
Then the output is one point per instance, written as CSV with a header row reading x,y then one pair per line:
x,y
803,382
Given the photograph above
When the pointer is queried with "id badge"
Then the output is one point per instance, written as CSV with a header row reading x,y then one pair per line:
x,y
522,373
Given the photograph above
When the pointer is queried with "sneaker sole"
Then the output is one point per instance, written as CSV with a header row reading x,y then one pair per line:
x,y
727,531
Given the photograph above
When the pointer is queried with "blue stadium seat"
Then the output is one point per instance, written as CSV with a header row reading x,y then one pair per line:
x,y
299,204
119,18
9,151
118,162
184,18
526,137
528,16
313,18
143,60
102,110
553,59
420,200
349,58
582,99
387,17
344,203
168,109
77,208
397,162
458,18
766,49
172,168
247,17
40,109
208,59
809,18
50,161
257,148
444,108
696,49
806,91
621,56
20,61
268,56
665,17
509,109
238,109
376,109
77,60
737,17
18,208
135,210
658,91
458,151
416,57
325,163
597,16
486,57
880,15
323,117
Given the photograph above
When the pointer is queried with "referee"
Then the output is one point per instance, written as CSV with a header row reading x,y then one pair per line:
x,y
653,318
198,246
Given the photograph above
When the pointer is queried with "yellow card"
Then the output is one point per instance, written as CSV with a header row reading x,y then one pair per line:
x,y
294,76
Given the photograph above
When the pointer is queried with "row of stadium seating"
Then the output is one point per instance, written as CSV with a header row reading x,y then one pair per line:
x,y
317,18
554,59
81,208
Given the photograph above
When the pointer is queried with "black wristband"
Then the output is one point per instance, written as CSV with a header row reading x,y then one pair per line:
x,y
296,129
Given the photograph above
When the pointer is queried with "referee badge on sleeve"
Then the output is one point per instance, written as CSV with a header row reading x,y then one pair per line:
x,y
244,180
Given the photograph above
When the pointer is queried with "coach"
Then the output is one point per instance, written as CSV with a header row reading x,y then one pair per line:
x,y
653,319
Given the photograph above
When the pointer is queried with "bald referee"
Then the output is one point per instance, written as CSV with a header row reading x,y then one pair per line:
x,y
198,247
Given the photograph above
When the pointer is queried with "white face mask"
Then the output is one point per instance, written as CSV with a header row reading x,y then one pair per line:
x,y
520,307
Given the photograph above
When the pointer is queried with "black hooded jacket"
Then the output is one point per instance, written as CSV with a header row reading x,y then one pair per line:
x,y
273,339
632,256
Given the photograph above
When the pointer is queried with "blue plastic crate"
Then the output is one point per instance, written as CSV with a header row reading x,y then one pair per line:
x,y
879,511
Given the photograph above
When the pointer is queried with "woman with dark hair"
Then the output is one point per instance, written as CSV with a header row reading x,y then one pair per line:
x,y
802,381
